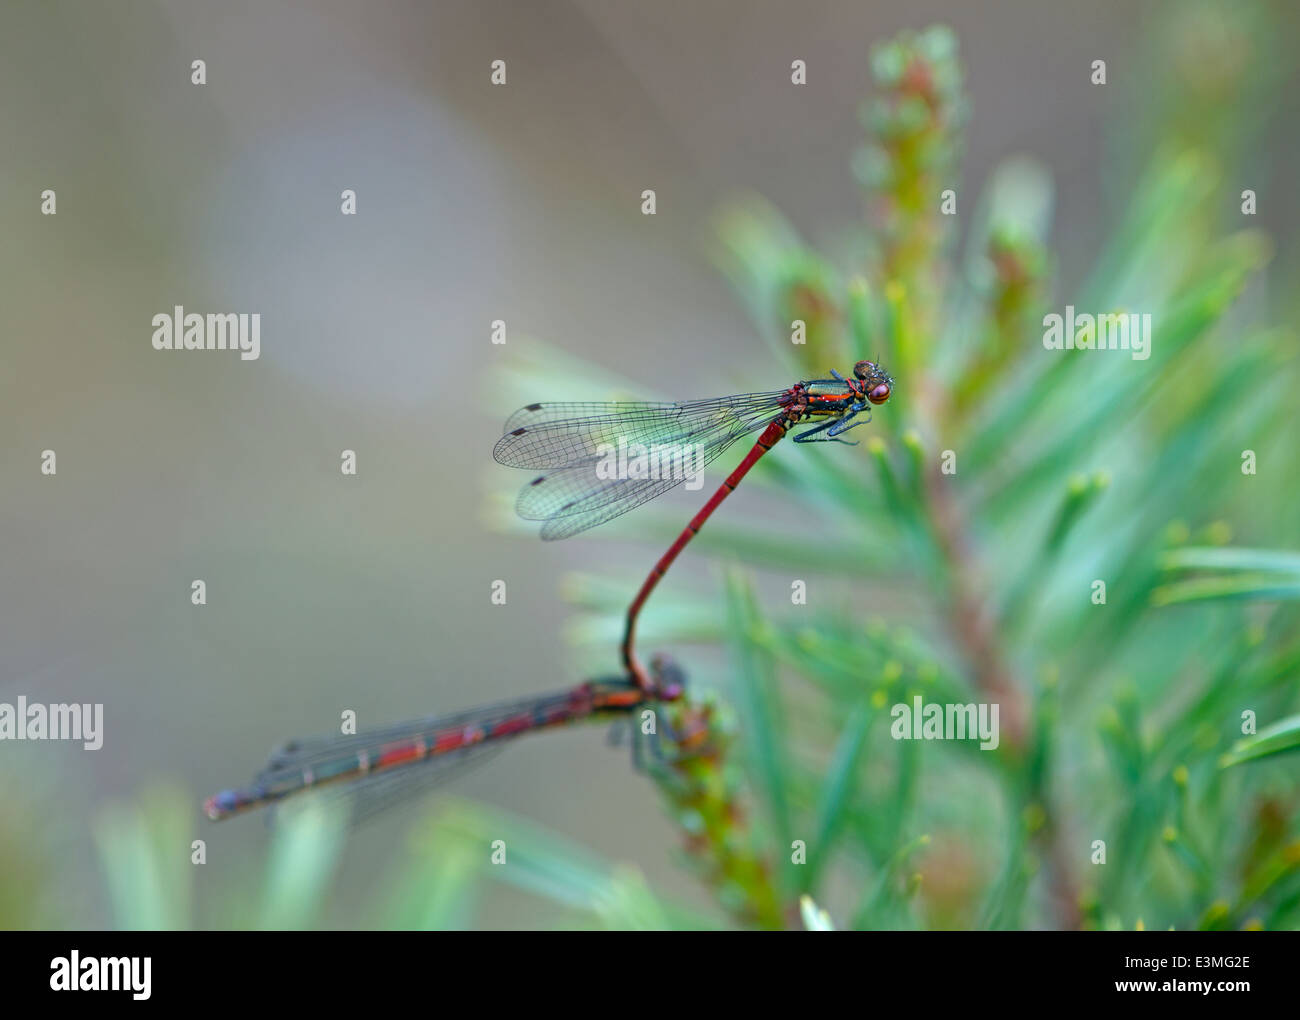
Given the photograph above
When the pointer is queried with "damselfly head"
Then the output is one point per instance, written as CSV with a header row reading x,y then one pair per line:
x,y
669,679
877,384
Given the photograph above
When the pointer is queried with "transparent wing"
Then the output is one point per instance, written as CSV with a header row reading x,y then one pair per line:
x,y
575,504
604,465
364,798
580,488
566,434
321,757
423,748
604,506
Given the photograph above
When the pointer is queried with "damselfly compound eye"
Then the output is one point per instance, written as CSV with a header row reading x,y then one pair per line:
x,y
865,369
879,394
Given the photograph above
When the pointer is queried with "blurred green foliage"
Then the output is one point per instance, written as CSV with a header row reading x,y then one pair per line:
x,y
953,557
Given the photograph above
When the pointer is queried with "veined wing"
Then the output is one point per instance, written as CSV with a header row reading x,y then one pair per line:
x,y
574,498
560,435
372,794
421,746
487,731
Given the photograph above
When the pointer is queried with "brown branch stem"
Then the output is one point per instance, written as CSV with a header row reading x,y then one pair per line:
x,y
975,632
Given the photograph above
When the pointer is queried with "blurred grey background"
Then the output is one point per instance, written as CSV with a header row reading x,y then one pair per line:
x,y
475,203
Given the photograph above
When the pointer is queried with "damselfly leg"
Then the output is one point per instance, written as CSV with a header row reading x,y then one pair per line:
x,y
836,427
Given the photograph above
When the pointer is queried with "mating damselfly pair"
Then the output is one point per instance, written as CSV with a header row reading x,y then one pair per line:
x,y
569,444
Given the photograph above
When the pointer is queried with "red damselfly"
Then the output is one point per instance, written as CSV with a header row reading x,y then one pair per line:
x,y
588,478
377,768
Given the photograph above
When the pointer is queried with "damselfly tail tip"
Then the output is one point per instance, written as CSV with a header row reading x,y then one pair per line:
x,y
221,805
